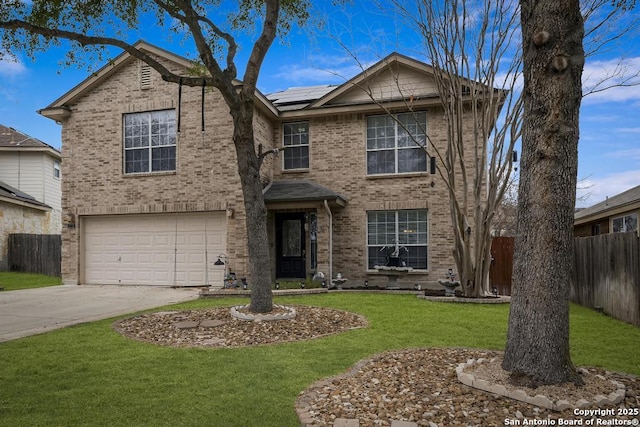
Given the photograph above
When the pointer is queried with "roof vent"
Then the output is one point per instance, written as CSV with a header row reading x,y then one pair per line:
x,y
145,76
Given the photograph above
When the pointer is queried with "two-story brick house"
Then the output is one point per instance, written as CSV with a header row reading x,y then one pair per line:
x,y
151,192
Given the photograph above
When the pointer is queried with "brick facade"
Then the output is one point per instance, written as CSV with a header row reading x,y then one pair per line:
x,y
206,177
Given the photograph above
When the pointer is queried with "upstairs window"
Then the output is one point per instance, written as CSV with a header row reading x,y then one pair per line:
x,y
150,142
397,146
625,223
296,143
56,169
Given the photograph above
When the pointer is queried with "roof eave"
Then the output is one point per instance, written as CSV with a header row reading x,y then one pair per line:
x,y
49,150
24,203
608,212
361,107
58,114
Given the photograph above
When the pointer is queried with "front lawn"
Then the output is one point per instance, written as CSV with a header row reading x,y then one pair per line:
x,y
89,375
13,281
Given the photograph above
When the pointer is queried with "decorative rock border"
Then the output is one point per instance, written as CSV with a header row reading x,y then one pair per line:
x,y
538,400
258,317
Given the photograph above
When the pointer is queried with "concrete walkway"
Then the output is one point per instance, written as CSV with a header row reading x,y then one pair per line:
x,y
34,311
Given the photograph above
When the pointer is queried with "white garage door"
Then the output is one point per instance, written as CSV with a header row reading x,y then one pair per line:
x,y
154,249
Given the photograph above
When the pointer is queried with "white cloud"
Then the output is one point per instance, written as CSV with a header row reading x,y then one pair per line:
x,y
629,130
322,69
593,191
599,75
10,67
627,154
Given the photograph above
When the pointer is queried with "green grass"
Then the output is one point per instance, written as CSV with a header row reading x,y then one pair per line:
x,y
89,375
13,281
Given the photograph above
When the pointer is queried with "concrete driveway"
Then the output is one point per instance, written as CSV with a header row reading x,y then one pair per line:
x,y
34,311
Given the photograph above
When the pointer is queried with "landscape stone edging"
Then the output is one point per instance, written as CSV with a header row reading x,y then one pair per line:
x,y
538,400
257,317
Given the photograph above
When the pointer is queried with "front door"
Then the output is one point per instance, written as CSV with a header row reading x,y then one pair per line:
x,y
290,245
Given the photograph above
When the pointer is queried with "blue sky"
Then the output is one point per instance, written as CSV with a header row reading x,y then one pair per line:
x,y
609,151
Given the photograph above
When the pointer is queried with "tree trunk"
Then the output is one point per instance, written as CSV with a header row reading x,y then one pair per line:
x,y
256,212
538,336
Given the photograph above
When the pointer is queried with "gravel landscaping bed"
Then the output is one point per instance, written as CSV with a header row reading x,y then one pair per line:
x,y
418,385
215,327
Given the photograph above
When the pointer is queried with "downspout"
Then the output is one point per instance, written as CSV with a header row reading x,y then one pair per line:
x,y
326,206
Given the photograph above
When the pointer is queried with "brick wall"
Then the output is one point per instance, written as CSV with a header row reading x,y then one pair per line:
x,y
206,177
338,161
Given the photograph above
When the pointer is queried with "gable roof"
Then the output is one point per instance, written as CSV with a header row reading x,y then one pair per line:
x,y
619,203
386,64
14,140
14,196
59,109
394,80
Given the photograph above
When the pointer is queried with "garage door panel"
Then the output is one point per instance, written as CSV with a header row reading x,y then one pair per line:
x,y
153,249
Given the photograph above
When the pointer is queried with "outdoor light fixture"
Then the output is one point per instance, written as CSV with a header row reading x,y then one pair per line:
x,y
244,283
220,262
366,283
301,285
277,286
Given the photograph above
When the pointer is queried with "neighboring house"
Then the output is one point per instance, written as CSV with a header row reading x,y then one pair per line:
x,y
151,198
614,215
30,187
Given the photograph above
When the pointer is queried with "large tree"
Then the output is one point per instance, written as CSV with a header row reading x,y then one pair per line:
x,y
91,25
553,56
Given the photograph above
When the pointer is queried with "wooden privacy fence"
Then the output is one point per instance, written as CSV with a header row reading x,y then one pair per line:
x,y
607,275
501,264
35,253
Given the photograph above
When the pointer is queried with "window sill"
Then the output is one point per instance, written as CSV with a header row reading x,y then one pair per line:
x,y
143,174
409,273
398,175
306,170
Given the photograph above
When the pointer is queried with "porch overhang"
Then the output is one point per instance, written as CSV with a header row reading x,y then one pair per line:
x,y
300,194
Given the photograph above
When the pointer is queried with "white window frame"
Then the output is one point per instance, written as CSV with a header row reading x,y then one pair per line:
x,y
625,220
296,141
57,174
164,132
396,243
399,133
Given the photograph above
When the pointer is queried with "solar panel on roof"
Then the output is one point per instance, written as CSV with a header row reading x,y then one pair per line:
x,y
301,94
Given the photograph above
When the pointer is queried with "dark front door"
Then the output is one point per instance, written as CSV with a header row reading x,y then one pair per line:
x,y
290,245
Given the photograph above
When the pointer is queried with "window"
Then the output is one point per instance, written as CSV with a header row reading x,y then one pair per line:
x,y
402,233
397,146
150,142
56,169
625,223
296,143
